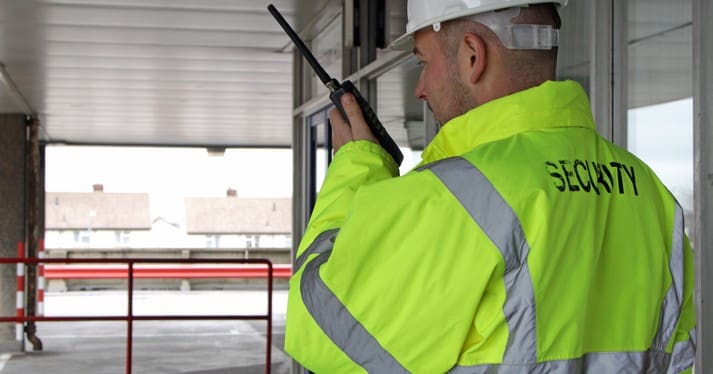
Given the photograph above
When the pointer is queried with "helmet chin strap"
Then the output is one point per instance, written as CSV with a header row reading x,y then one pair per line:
x,y
515,36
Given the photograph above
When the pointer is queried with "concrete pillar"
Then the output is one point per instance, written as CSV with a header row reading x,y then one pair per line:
x,y
703,178
12,217
35,214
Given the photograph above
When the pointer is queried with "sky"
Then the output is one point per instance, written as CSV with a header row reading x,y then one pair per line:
x,y
170,174
662,136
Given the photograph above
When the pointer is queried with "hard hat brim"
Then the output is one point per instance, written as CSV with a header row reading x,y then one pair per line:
x,y
403,42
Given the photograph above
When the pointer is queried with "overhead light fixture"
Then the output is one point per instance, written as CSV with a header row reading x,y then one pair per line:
x,y
15,92
216,151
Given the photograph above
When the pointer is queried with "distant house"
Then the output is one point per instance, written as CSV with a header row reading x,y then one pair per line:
x,y
232,222
101,220
96,219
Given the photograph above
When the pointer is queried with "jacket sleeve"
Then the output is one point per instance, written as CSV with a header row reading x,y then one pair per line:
x,y
375,286
356,164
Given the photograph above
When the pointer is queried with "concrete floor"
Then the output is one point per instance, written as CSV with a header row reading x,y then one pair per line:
x,y
196,347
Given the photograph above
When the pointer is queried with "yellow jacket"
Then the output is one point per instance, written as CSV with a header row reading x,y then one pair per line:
x,y
524,242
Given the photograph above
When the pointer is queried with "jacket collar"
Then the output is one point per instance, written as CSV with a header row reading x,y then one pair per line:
x,y
551,104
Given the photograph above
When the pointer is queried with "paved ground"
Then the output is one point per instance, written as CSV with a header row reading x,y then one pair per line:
x,y
196,347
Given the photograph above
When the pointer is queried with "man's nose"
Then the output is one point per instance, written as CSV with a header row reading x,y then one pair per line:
x,y
420,91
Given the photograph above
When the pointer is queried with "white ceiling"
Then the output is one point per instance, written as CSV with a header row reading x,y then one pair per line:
x,y
219,72
173,72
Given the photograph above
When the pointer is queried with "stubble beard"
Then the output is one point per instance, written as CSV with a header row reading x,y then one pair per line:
x,y
457,98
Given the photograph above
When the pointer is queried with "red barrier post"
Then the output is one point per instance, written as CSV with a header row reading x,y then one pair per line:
x,y
130,319
41,280
268,354
20,293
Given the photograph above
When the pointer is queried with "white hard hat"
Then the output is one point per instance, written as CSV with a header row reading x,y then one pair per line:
x,y
424,13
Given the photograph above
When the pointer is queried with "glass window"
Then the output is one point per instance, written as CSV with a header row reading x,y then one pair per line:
x,y
123,237
212,241
320,148
252,241
82,236
395,24
327,49
573,59
660,81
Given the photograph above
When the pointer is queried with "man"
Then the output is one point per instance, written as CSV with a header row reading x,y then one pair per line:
x,y
524,242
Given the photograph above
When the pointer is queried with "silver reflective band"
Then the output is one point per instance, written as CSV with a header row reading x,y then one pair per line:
x,y
339,324
650,362
671,306
322,243
684,353
498,221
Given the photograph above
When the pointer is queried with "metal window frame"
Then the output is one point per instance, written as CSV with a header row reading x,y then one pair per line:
x,y
703,177
608,69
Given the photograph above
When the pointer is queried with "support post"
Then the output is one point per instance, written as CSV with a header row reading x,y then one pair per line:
x,y
608,90
703,179
20,302
34,234
12,218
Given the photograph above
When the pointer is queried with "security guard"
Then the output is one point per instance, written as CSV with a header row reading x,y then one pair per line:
x,y
523,242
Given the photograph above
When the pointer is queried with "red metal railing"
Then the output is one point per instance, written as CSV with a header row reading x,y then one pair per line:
x,y
130,272
158,271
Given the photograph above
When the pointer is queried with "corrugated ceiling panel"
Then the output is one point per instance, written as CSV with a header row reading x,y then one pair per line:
x,y
174,72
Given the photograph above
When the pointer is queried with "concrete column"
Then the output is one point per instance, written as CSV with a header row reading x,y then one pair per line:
x,y
703,178
35,213
12,217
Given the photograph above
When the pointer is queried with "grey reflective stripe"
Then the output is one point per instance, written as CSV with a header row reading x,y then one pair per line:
x,y
322,243
339,324
684,353
498,221
671,307
606,362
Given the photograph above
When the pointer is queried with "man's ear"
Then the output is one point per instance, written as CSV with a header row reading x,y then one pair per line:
x,y
473,57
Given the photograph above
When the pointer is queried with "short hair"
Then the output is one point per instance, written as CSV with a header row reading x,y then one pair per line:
x,y
541,14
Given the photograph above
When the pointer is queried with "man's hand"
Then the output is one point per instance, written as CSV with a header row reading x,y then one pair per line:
x,y
341,132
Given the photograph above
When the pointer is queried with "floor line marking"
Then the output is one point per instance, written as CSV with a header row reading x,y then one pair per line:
x,y
4,358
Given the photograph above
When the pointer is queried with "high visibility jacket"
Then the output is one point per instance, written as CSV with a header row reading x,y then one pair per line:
x,y
524,242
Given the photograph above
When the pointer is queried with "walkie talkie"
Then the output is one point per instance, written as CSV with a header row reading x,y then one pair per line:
x,y
337,90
